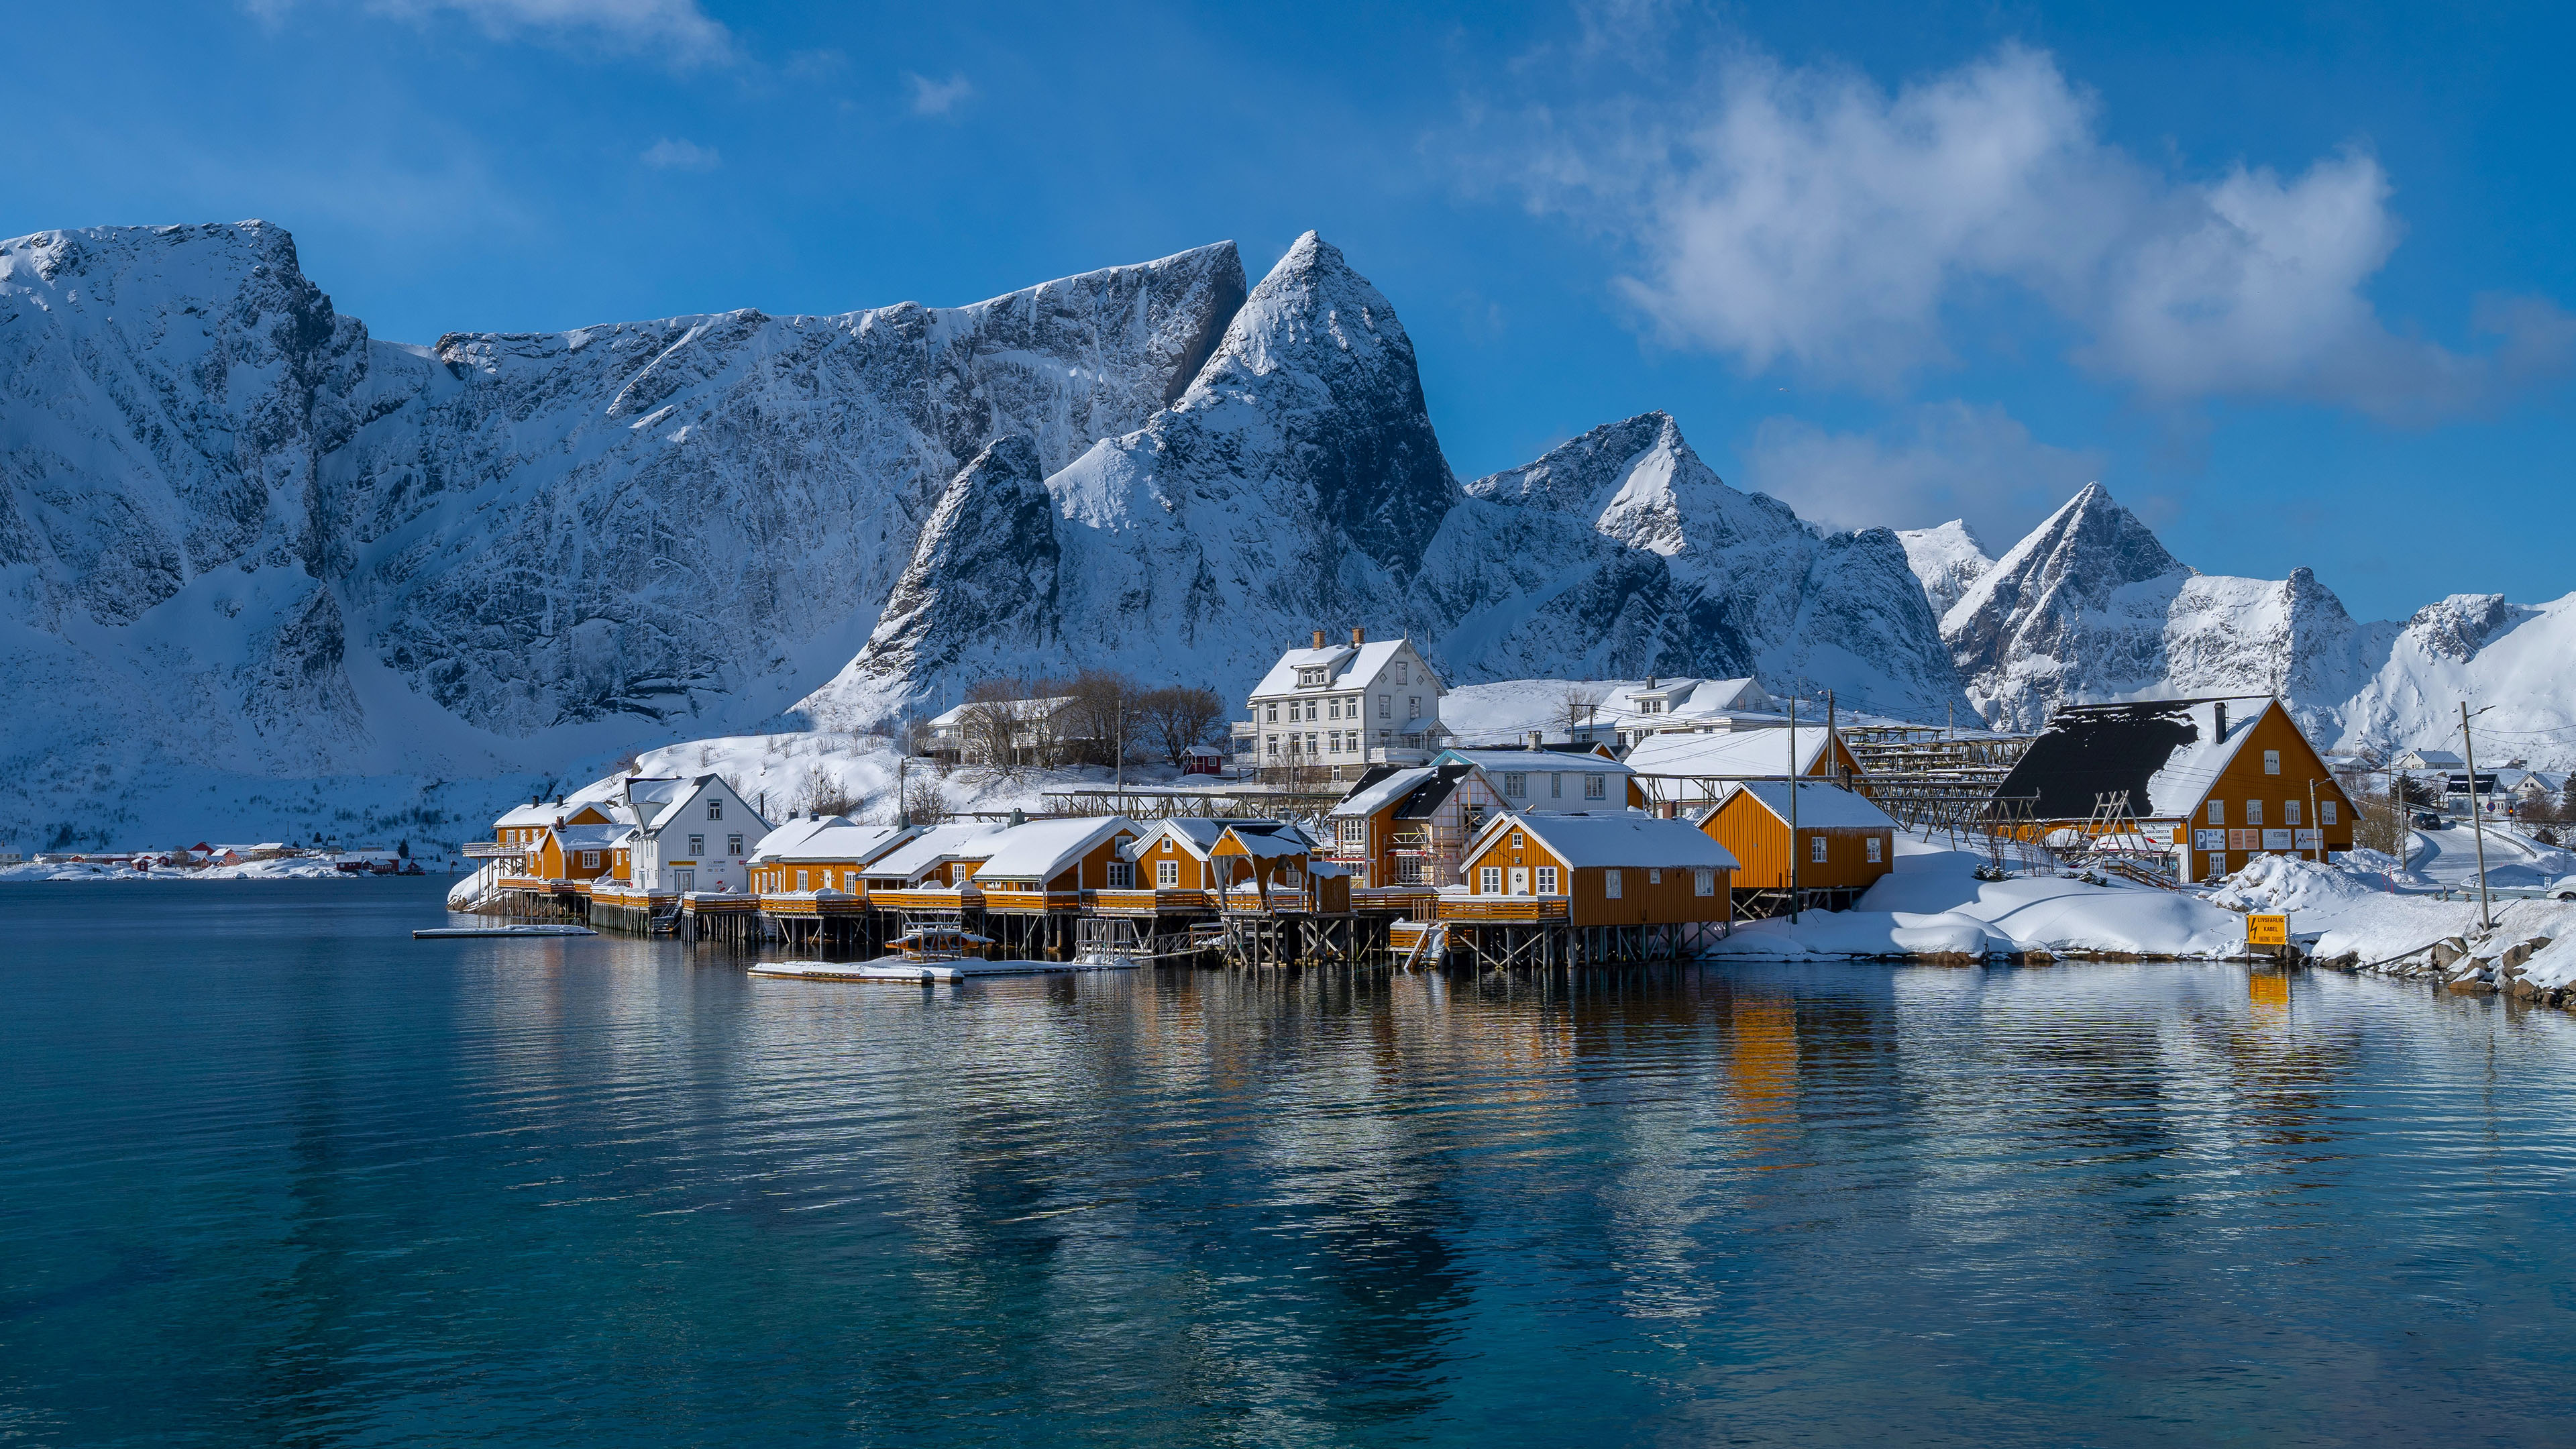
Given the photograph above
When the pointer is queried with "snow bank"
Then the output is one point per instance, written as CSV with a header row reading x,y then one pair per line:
x,y
302,869
1932,903
2288,883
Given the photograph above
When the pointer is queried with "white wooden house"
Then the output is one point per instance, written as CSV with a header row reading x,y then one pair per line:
x,y
1343,707
692,834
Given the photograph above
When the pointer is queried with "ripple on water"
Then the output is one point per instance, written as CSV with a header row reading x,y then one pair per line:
x,y
273,1172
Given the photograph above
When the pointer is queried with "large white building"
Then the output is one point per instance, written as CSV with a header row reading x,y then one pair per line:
x,y
691,834
1343,707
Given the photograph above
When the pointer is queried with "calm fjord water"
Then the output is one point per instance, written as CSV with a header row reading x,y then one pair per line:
x,y
273,1173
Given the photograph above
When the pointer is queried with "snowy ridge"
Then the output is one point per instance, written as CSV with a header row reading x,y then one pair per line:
x,y
1947,559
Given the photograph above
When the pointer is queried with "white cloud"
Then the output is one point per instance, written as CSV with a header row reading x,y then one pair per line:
x,y
938,98
677,31
670,155
1811,218
1933,463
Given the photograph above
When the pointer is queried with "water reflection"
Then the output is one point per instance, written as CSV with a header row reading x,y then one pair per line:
x,y
612,1190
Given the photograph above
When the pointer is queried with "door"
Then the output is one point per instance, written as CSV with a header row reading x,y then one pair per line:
x,y
1520,880
684,881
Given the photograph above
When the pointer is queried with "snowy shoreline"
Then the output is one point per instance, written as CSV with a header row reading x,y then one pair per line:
x,y
47,872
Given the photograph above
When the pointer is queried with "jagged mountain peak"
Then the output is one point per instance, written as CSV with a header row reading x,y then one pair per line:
x,y
1947,558
1585,474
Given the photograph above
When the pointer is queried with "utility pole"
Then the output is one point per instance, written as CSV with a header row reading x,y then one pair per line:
x,y
2314,823
2477,827
1795,895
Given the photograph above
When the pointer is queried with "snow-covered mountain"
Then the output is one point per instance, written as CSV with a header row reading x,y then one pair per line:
x,y
1298,481
1946,559
2090,607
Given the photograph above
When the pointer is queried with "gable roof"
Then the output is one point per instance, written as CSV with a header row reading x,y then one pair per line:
x,y
832,837
2166,753
1043,849
1349,666
1622,838
1266,839
1197,834
1734,755
1820,805
1519,760
589,837
972,840
1380,787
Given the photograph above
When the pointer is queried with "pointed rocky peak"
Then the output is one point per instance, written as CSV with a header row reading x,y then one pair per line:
x,y
1946,560
2079,556
1584,476
1315,386
2459,626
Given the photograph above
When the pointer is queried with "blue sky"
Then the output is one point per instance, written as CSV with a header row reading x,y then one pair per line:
x,y
2294,282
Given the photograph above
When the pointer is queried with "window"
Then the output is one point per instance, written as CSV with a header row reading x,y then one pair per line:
x,y
1704,881
2253,812
1816,849
1413,704
1310,734
1354,831
1655,877
1556,787
1610,884
1274,739
2325,812
1122,875
1386,706
733,845
800,881
715,810
1593,786
1310,710
2290,812
1400,672
1273,716
590,860
2272,765
1333,710
2217,812
1167,873
1489,881
1516,785
1877,850
1517,842
697,846
1547,880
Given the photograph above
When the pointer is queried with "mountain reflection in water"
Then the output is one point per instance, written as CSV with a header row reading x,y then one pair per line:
x,y
274,1173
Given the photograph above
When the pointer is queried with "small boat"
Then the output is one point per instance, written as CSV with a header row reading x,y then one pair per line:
x,y
939,943
442,933
922,972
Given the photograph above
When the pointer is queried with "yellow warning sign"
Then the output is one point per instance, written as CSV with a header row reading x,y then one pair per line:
x,y
2267,930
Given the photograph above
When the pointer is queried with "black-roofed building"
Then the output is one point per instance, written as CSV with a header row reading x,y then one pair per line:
x,y
2215,781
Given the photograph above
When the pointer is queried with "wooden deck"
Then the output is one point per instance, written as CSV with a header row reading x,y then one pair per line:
x,y
1499,909
1151,902
839,903
1033,903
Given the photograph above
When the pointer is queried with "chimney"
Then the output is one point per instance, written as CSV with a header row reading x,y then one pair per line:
x,y
2222,723
1650,681
1537,741
1359,637
1319,638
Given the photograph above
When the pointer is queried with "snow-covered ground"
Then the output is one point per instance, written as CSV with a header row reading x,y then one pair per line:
x,y
1933,904
787,774
297,869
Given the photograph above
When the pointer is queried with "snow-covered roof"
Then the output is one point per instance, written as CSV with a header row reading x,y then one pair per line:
x,y
2164,754
1736,755
1371,796
1043,849
1537,762
1020,709
589,837
971,840
2195,765
1268,841
1820,805
2431,760
832,837
1348,666
1582,839
1197,834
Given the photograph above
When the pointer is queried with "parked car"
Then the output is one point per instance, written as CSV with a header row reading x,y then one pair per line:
x,y
2562,889
2427,820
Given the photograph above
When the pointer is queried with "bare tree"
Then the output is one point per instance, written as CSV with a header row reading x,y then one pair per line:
x,y
1179,716
1042,726
1581,703
990,722
823,794
924,803
1100,715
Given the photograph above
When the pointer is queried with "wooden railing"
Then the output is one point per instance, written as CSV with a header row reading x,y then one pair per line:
x,y
1500,908
920,900
488,850
1142,901
1006,898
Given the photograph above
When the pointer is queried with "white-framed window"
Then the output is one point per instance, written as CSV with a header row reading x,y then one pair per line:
x,y
1655,876
1122,875
697,846
733,845
1386,706
1610,884
2325,812
1595,786
1489,880
1413,702
1274,739
2271,762
1547,880
1273,716
2217,812
1310,734
1351,707
1401,672
801,881
1167,874
1333,709
1517,842
1816,849
2253,812
2290,812
590,860
1516,786
1556,787
1877,850
1704,881
715,810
